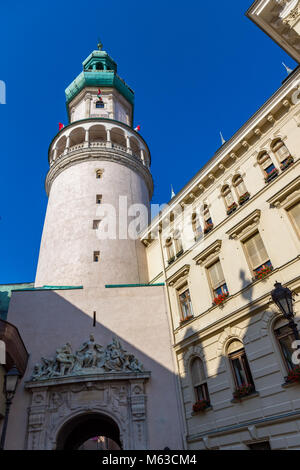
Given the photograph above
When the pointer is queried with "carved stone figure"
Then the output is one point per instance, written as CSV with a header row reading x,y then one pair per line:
x,y
88,359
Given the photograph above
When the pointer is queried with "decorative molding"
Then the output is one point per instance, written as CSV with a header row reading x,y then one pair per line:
x,y
90,359
287,196
179,276
210,252
245,226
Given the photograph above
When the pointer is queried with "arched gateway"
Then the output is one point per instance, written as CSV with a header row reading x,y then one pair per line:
x,y
95,392
86,429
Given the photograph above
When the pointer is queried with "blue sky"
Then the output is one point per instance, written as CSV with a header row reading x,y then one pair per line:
x,y
196,68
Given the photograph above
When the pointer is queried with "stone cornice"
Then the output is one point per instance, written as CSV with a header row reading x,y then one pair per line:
x,y
289,195
208,253
91,154
88,379
246,225
179,275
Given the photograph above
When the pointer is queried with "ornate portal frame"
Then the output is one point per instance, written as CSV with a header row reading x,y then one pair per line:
x,y
120,396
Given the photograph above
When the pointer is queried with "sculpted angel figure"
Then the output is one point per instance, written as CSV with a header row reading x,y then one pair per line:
x,y
115,356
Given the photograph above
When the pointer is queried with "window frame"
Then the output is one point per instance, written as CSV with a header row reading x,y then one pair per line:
x,y
202,385
212,288
287,366
241,356
181,291
248,259
291,217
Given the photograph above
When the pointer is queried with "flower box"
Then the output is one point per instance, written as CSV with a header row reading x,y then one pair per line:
x,y
220,299
286,163
294,376
263,272
185,320
271,175
231,208
243,391
208,228
244,198
201,405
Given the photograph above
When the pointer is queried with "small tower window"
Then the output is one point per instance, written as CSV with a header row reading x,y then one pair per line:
x,y
99,199
99,66
96,256
96,224
99,174
99,104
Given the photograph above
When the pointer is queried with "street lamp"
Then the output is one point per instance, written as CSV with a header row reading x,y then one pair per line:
x,y
283,298
10,386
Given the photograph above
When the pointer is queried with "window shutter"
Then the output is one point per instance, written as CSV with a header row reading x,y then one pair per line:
x,y
256,251
198,375
241,188
216,275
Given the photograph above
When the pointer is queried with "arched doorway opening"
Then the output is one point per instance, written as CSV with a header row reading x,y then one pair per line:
x,y
89,431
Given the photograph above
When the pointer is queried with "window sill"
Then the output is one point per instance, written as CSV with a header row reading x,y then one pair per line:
x,y
196,413
246,397
187,320
271,178
289,384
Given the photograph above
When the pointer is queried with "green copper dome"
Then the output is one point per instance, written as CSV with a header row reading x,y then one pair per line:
x,y
99,70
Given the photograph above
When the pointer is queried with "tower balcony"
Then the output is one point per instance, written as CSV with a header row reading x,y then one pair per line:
x,y
99,134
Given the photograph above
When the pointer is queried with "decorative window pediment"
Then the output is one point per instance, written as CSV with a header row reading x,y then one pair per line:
x,y
209,253
288,196
246,226
179,277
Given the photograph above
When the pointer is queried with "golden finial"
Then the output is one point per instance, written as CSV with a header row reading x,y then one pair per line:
x,y
100,45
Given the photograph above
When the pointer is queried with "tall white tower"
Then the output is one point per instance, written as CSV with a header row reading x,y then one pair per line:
x,y
95,161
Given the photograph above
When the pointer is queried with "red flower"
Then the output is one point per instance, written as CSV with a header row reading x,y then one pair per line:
x,y
200,405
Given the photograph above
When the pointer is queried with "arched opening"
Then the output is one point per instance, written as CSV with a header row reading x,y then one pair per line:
x,y
99,66
97,134
61,145
77,136
118,137
134,146
89,431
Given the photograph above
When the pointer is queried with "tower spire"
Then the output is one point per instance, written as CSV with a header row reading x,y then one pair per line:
x,y
100,45
287,68
222,139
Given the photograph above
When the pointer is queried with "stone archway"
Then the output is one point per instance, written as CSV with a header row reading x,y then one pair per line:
x,y
84,427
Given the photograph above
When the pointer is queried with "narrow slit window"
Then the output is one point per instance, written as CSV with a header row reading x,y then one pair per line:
x,y
96,256
96,224
99,199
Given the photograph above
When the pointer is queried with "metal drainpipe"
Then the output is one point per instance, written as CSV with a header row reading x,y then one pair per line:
x,y
178,382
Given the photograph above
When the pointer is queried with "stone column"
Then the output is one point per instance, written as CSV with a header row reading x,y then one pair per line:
x,y
87,138
67,145
88,99
128,147
143,156
108,138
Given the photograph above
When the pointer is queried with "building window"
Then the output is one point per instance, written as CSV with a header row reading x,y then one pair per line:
x,y
170,250
285,339
99,174
280,150
96,224
100,104
294,213
241,190
268,167
230,203
265,445
239,365
257,256
186,309
178,243
96,256
199,381
208,223
197,228
99,199
217,280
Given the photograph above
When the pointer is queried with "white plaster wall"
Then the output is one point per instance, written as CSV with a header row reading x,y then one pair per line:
x,y
68,241
138,316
